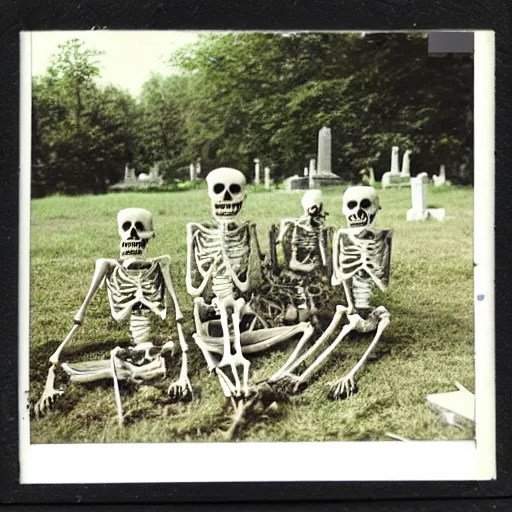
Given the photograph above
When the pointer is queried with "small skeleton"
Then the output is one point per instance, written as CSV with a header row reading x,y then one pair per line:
x,y
219,257
305,246
136,287
361,258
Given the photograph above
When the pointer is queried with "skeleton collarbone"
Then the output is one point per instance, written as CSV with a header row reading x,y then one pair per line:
x,y
223,256
138,283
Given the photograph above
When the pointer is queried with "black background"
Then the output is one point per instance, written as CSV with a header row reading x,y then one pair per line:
x,y
16,16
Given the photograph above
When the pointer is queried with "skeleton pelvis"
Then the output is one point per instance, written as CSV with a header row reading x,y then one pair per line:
x,y
92,371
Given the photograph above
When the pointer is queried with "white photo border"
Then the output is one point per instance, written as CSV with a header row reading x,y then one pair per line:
x,y
315,461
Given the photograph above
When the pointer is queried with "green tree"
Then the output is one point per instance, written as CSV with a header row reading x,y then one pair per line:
x,y
266,95
82,134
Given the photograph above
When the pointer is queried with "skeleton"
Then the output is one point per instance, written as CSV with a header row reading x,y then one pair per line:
x,y
305,245
361,258
136,287
219,255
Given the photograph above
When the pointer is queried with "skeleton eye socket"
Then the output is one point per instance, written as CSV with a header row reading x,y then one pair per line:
x,y
365,203
139,226
126,225
235,188
352,204
218,188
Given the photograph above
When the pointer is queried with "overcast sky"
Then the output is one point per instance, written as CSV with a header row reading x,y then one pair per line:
x,y
130,56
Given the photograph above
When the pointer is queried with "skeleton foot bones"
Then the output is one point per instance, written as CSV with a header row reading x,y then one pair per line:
x,y
361,261
227,328
219,260
137,287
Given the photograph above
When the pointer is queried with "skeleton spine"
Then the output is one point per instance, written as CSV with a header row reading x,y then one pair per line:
x,y
140,328
361,291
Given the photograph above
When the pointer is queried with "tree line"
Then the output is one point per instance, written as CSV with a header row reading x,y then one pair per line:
x,y
239,96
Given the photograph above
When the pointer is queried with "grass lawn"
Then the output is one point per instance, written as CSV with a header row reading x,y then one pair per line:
x,y
428,345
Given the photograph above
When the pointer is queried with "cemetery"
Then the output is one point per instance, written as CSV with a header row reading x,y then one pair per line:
x,y
300,286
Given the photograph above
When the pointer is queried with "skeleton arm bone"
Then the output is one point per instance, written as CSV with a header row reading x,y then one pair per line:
x,y
193,229
165,266
335,279
322,245
254,234
284,226
182,386
302,267
243,286
103,266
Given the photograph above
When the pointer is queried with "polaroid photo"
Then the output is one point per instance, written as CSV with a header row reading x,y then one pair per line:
x,y
269,251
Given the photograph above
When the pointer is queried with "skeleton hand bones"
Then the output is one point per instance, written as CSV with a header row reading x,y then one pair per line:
x,y
360,264
136,286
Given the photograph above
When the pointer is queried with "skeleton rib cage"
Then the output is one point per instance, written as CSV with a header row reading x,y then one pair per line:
x,y
136,292
223,255
305,243
363,262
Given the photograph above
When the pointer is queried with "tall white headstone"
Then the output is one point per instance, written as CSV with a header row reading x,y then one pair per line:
x,y
126,172
256,170
406,164
305,172
312,167
371,178
324,152
440,180
419,210
394,161
198,168
192,172
267,178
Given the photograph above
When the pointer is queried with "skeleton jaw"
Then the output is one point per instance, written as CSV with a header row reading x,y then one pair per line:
x,y
361,219
226,210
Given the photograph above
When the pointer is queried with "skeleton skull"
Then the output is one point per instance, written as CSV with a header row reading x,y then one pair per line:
x,y
226,189
313,205
135,227
360,206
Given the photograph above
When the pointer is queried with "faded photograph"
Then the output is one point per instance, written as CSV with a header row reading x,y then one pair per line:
x,y
250,236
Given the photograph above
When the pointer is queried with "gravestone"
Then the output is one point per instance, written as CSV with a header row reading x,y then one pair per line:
x,y
129,174
305,172
312,168
440,180
192,172
198,167
256,170
267,178
323,175
419,210
154,175
406,165
371,177
296,183
394,178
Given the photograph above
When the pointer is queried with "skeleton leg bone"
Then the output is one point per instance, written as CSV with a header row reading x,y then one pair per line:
x,y
236,359
240,359
347,385
113,357
293,362
294,382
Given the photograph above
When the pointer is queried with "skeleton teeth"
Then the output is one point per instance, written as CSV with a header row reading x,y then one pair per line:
x,y
227,209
